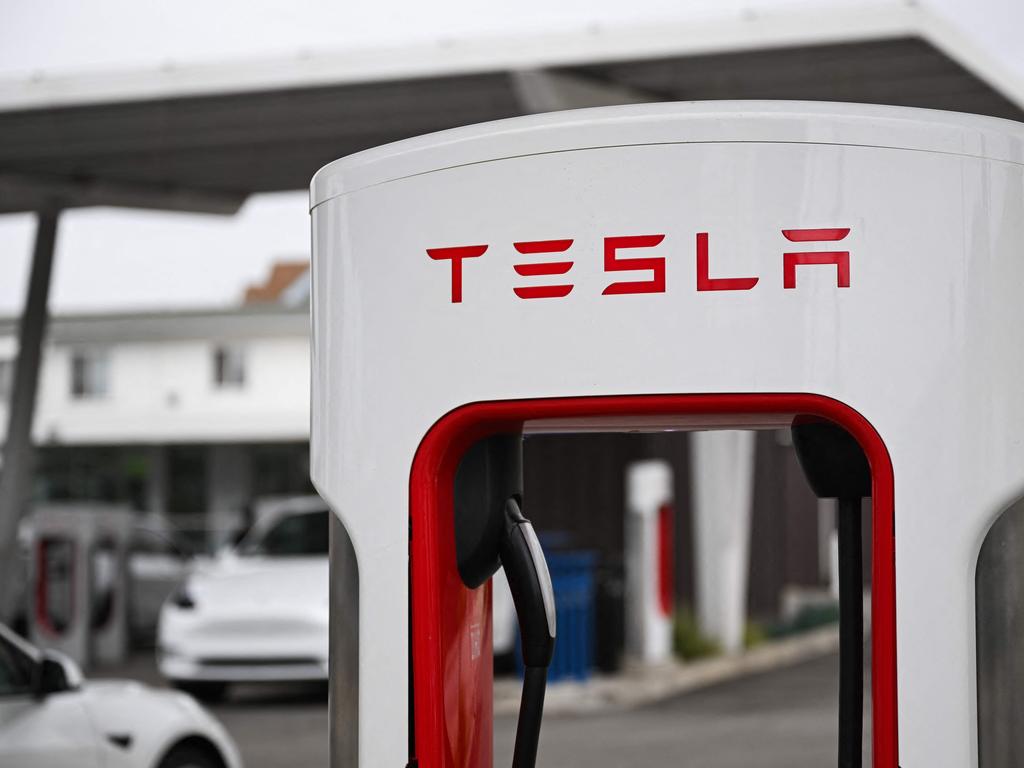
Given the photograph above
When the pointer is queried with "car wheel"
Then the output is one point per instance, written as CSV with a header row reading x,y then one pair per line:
x,y
190,756
202,690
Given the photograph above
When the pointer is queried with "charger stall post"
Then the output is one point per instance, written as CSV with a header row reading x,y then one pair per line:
x,y
671,266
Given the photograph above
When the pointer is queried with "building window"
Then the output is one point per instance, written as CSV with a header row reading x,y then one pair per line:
x,y
6,380
228,367
88,374
281,470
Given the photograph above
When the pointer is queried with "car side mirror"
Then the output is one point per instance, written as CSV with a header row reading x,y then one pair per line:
x,y
56,673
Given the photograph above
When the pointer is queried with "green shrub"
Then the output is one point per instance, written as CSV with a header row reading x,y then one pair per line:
x,y
754,634
809,617
687,640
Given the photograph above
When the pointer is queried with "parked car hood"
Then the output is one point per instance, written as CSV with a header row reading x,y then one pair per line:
x,y
262,581
113,695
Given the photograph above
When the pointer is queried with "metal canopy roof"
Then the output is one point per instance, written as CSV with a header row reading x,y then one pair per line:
x,y
208,152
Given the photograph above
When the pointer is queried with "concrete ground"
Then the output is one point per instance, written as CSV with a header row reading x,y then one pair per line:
x,y
784,718
279,727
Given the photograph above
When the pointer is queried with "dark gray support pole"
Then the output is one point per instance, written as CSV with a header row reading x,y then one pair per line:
x,y
343,690
851,634
16,470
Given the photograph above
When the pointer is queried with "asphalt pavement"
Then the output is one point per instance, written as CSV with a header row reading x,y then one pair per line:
x,y
785,718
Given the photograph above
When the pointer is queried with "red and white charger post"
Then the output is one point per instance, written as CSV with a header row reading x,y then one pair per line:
x,y
79,580
722,471
649,562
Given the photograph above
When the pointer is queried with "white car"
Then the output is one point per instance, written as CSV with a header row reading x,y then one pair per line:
x,y
505,624
51,718
159,560
258,612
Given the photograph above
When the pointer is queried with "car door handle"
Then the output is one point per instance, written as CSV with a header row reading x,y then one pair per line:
x,y
122,740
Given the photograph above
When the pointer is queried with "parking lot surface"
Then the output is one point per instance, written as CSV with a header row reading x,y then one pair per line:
x,y
780,719
786,718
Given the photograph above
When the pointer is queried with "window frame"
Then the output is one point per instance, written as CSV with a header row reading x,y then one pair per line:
x,y
254,542
229,362
95,373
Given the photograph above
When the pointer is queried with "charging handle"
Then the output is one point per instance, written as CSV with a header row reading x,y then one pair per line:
x,y
534,598
836,467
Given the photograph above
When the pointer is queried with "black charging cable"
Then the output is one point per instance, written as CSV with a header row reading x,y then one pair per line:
x,y
837,468
534,598
851,633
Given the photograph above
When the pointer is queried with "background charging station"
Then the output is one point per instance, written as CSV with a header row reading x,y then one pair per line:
x,y
79,581
649,549
678,266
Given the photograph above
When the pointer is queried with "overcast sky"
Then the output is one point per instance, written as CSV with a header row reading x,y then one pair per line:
x,y
109,258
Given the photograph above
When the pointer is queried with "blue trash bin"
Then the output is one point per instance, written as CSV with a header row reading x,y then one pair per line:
x,y
572,576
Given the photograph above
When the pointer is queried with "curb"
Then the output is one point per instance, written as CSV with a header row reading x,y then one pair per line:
x,y
637,687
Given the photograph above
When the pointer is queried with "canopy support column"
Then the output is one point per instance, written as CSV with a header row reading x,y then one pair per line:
x,y
16,470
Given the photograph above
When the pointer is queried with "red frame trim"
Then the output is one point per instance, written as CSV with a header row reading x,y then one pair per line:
x,y
666,565
42,613
452,724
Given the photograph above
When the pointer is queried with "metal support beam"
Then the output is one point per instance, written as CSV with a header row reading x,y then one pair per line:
x,y
16,470
21,192
343,696
539,90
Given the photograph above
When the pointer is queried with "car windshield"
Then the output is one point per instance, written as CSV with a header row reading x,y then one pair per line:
x,y
293,535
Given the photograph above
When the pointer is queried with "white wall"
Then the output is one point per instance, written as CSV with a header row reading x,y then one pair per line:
x,y
163,391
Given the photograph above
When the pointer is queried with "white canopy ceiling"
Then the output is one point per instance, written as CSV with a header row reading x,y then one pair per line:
x,y
196,105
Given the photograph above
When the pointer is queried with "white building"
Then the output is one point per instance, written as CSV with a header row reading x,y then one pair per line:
x,y
193,414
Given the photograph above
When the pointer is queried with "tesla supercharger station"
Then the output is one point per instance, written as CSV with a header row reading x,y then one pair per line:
x,y
79,580
648,541
669,266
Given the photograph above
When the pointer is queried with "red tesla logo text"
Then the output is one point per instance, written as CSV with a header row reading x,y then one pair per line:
x,y
456,255
840,258
632,254
546,268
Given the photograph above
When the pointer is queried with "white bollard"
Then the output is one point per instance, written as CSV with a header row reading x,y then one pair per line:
x,y
649,562
722,466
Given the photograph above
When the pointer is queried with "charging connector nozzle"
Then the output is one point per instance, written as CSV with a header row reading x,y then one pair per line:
x,y
534,598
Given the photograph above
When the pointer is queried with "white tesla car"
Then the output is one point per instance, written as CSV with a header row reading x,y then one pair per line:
x,y
258,612
51,718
